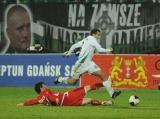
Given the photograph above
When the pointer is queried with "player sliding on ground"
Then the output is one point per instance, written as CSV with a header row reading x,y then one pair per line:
x,y
85,64
73,97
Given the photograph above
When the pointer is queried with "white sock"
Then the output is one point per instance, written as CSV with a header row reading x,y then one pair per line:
x,y
107,85
63,80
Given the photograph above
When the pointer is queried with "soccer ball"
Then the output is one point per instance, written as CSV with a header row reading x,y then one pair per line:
x,y
134,100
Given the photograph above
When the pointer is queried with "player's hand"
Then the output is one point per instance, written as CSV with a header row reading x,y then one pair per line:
x,y
20,104
66,54
109,49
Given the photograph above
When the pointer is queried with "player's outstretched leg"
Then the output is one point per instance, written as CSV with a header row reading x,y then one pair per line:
x,y
99,85
57,80
108,85
66,80
96,102
107,103
116,93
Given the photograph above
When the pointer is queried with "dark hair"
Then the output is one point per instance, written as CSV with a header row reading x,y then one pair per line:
x,y
94,31
13,10
38,86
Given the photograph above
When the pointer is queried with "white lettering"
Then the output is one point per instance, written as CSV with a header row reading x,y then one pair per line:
x,y
76,15
72,15
3,70
124,14
43,70
131,8
11,70
81,16
122,19
137,6
113,11
67,70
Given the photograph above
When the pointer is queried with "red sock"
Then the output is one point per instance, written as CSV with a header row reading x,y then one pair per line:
x,y
96,85
96,102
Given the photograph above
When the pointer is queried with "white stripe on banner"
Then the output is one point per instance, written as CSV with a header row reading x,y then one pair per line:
x,y
65,30
38,29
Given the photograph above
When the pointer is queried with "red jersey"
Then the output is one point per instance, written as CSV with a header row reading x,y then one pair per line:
x,y
51,98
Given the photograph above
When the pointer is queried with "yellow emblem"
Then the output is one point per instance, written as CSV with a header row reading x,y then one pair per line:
x,y
129,71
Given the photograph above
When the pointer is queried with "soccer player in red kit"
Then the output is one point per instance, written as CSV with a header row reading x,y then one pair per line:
x,y
73,97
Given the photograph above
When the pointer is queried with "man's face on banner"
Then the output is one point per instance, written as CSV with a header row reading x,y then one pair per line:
x,y
19,31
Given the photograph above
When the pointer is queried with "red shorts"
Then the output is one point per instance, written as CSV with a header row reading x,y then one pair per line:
x,y
74,97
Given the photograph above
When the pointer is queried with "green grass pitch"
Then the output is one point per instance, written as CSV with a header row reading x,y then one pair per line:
x,y
148,108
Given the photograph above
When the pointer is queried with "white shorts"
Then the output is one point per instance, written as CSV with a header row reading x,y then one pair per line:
x,y
81,68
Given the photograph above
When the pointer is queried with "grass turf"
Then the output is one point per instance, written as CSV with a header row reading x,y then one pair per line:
x,y
148,108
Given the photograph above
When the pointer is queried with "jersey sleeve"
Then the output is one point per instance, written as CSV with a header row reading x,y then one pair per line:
x,y
46,98
98,46
31,102
74,46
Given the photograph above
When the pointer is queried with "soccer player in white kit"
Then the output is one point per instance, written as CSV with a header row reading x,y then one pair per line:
x,y
85,64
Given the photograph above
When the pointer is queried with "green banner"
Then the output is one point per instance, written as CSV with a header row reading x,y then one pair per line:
x,y
54,27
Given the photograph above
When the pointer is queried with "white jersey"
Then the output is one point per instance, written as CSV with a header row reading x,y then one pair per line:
x,y
84,63
88,46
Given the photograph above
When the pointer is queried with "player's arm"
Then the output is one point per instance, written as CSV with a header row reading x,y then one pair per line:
x,y
100,49
29,102
73,47
20,104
